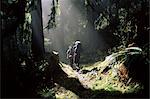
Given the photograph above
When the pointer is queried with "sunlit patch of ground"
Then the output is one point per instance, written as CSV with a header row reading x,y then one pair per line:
x,y
58,92
68,70
62,93
94,80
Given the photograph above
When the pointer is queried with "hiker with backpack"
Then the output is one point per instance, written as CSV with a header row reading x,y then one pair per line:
x,y
73,54
70,54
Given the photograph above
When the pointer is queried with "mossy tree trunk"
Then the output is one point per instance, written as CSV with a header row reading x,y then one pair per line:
x,y
37,29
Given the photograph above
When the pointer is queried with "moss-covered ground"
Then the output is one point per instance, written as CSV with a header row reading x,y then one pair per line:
x,y
90,76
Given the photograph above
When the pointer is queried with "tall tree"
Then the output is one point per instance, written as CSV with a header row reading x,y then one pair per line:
x,y
37,29
18,34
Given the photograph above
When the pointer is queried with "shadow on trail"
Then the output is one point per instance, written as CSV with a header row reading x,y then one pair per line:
x,y
76,87
60,77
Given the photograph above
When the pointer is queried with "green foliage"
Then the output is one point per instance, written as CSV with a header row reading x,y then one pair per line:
x,y
47,93
24,36
101,22
54,11
119,17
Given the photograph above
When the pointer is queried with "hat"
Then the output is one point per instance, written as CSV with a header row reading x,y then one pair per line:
x,y
77,42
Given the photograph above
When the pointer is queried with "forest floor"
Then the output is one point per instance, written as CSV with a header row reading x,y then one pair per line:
x,y
91,77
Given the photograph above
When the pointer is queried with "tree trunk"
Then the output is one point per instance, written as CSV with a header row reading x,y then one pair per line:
x,y
37,30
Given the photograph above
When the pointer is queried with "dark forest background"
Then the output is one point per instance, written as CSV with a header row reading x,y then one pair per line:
x,y
104,27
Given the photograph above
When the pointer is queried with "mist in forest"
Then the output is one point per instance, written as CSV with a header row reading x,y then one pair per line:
x,y
114,55
73,23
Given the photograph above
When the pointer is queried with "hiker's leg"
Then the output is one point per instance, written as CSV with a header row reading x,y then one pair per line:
x,y
71,62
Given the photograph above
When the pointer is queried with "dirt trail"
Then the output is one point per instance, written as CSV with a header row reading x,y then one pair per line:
x,y
92,84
